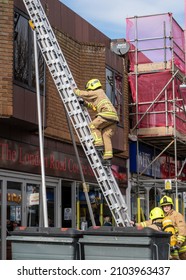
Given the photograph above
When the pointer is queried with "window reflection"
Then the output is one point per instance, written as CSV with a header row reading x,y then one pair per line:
x,y
21,49
109,84
118,96
14,200
114,91
24,65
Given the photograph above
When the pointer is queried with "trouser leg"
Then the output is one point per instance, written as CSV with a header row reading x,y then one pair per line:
x,y
182,251
107,134
102,130
182,256
96,132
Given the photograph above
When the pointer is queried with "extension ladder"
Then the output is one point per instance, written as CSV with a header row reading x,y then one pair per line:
x,y
79,117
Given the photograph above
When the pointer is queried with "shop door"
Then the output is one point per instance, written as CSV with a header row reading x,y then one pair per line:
x,y
66,207
35,216
68,200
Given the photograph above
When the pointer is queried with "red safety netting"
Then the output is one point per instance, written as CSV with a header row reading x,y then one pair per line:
x,y
156,43
154,95
155,38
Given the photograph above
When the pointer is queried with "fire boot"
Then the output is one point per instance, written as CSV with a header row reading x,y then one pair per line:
x,y
106,162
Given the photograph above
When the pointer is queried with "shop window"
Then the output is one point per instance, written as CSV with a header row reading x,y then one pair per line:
x,y
24,65
114,91
98,204
32,196
34,212
14,204
50,206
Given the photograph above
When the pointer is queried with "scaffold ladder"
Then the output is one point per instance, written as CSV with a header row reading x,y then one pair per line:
x,y
79,117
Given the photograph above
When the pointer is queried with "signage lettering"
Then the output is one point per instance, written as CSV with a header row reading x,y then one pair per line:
x,y
26,158
18,156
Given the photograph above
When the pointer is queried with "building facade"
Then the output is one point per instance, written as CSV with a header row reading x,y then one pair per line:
x,y
88,55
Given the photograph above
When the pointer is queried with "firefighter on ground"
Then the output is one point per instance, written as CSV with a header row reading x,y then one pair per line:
x,y
161,222
177,219
103,126
158,221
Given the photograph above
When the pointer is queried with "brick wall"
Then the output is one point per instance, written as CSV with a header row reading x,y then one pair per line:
x,y
86,61
57,126
92,64
6,58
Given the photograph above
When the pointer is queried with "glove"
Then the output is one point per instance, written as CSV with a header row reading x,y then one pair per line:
x,y
173,248
133,223
91,106
76,91
139,227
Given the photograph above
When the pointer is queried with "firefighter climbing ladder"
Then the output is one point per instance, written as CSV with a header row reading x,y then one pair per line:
x,y
79,117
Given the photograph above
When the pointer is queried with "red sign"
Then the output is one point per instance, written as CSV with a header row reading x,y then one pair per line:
x,y
26,158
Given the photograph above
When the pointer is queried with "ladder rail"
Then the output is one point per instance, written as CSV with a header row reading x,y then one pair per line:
x,y
80,118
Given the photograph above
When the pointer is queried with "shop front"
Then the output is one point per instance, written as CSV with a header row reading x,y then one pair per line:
x,y
20,190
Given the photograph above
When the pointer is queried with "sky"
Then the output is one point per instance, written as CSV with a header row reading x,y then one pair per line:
x,y
109,16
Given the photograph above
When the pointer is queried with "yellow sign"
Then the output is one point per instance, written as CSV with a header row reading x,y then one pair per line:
x,y
13,197
168,185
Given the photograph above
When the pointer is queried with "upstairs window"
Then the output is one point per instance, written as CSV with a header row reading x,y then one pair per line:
x,y
24,64
114,91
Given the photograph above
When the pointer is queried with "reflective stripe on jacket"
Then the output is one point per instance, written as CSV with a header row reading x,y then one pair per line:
x,y
145,223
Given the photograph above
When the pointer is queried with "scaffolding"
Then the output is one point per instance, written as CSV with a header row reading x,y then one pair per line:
x,y
157,107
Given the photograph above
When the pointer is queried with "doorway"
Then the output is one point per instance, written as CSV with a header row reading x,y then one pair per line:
x,y
68,202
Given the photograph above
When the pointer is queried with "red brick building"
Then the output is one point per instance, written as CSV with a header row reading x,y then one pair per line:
x,y
88,55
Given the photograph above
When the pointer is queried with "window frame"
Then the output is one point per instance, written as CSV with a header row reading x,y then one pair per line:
x,y
30,55
112,95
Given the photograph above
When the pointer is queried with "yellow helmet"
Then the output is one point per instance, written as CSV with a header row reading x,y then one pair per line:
x,y
156,213
93,84
166,200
